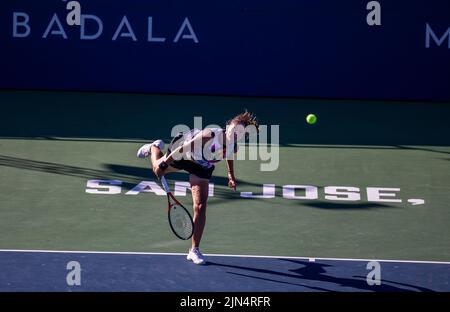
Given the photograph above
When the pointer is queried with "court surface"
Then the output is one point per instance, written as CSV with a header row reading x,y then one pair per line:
x,y
53,143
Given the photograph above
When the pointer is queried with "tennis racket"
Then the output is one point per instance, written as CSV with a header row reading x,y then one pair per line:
x,y
180,219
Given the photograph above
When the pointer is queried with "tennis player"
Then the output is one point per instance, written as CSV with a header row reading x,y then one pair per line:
x,y
196,152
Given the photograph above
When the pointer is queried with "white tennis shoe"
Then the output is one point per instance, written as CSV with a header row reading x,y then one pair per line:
x,y
144,151
196,256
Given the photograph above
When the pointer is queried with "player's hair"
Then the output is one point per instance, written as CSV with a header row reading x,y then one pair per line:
x,y
246,118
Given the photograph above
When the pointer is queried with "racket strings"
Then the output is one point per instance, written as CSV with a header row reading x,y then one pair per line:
x,y
181,222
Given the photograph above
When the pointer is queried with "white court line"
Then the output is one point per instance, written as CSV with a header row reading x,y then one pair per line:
x,y
214,255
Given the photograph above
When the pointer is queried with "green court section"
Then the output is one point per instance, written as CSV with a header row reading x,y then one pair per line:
x,y
52,143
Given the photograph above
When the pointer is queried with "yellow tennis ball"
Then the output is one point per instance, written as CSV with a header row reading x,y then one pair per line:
x,y
311,119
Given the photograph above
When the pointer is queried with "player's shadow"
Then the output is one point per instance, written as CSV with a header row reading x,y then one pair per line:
x,y
55,168
316,272
346,205
129,175
132,175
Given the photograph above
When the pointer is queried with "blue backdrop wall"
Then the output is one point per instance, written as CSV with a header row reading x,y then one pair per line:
x,y
304,48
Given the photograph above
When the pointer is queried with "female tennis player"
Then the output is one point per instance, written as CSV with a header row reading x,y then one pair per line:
x,y
196,151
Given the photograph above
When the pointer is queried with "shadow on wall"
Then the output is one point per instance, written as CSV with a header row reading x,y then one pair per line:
x,y
33,114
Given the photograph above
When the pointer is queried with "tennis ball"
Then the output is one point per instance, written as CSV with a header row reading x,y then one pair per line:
x,y
311,119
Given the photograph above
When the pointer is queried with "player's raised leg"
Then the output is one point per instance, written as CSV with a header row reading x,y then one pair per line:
x,y
154,150
146,150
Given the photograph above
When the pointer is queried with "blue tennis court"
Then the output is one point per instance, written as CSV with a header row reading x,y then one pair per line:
x,y
314,139
106,272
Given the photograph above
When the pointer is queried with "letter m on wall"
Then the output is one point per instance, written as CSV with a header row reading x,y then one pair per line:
x,y
431,35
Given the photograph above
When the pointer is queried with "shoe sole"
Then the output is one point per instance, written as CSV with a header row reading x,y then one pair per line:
x,y
138,154
201,263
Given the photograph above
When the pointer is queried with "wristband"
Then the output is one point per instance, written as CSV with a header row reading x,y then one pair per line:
x,y
163,165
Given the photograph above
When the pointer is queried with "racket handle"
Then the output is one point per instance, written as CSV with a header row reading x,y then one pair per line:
x,y
165,185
